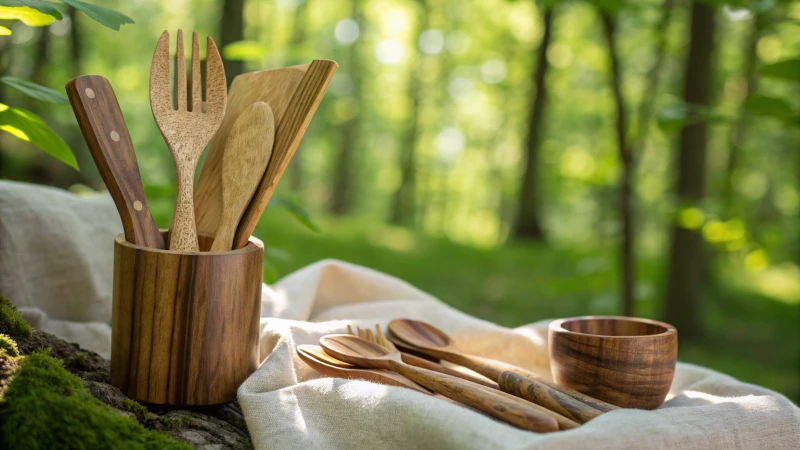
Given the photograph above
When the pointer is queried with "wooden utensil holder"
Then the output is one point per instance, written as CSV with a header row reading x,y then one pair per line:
x,y
185,324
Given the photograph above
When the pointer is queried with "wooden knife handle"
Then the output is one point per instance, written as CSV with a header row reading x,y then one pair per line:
x,y
544,395
509,409
106,134
436,367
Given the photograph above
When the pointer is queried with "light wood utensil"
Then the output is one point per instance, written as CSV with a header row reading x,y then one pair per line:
x,y
109,142
379,338
247,153
314,356
304,103
437,343
189,125
627,361
512,410
274,87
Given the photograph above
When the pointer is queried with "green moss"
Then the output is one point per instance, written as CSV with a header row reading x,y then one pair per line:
x,y
176,423
79,360
47,407
11,322
140,411
8,348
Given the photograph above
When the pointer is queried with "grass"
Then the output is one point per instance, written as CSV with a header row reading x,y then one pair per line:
x,y
748,335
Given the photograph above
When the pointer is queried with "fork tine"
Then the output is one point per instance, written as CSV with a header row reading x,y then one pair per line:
x,y
350,330
386,342
180,75
216,87
361,333
159,76
370,337
195,91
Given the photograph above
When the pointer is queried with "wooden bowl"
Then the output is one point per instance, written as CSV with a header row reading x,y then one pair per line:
x,y
626,361
185,324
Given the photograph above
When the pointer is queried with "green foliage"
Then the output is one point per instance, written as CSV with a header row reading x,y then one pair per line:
x,y
293,206
27,126
8,348
136,408
47,407
26,15
244,51
42,6
763,105
11,322
107,17
788,69
34,90
176,423
79,360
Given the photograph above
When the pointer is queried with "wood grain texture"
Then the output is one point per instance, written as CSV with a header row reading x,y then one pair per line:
x,y
274,87
247,153
314,356
544,395
304,103
103,126
188,125
512,410
628,362
184,324
434,342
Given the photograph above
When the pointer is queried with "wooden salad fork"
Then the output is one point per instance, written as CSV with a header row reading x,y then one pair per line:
x,y
502,406
188,125
379,338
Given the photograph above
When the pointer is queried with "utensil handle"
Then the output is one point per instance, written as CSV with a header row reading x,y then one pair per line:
x,y
103,127
508,409
436,367
541,394
493,369
182,231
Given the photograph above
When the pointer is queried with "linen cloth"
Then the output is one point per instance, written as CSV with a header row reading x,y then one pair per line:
x,y
56,265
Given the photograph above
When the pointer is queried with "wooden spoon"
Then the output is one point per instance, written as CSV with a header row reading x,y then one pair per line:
x,y
109,141
314,356
512,410
435,342
247,153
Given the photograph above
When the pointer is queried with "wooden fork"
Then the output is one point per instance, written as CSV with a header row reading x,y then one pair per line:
x,y
189,125
379,338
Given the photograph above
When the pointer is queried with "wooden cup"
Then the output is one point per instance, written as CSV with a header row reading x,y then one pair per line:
x,y
625,361
185,324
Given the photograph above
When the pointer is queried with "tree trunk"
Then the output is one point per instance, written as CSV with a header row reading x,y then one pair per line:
x,y
528,224
682,307
75,40
404,198
232,30
342,198
627,255
739,129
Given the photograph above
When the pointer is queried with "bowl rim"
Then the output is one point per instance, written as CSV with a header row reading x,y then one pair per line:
x,y
253,245
556,326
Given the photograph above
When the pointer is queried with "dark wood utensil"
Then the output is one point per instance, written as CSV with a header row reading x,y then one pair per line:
x,y
109,142
510,409
434,342
627,361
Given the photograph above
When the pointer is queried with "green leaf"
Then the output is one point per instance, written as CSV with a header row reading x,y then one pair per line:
x,y
34,90
293,206
29,127
244,51
270,272
42,6
5,31
762,105
107,17
26,15
788,69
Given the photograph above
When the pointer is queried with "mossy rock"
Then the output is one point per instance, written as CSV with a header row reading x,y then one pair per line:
x,y
11,322
47,407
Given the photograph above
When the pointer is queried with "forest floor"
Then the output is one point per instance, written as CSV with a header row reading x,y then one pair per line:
x,y
749,335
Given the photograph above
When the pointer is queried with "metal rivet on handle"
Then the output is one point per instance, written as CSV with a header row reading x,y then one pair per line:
x,y
89,92
114,136
137,205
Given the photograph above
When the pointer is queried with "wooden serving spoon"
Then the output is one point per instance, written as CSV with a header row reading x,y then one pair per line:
x,y
247,153
512,410
434,342
314,356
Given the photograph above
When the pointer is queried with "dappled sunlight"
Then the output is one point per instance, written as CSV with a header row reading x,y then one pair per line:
x,y
705,397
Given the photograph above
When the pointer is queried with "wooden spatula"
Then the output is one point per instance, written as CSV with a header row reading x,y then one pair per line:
x,y
247,153
290,130
275,87
106,134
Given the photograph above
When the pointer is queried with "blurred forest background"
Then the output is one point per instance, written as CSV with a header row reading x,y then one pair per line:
x,y
521,160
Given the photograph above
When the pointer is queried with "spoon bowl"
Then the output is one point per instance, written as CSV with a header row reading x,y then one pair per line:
x,y
419,334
